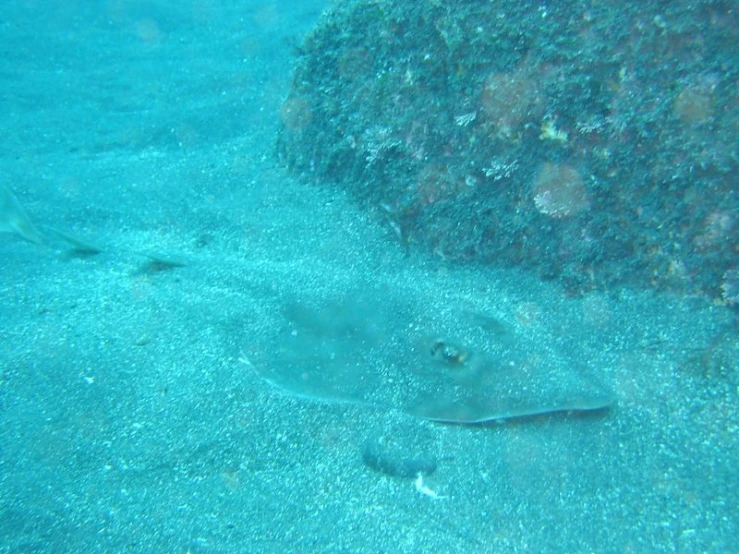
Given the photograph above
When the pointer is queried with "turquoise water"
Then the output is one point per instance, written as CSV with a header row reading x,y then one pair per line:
x,y
139,411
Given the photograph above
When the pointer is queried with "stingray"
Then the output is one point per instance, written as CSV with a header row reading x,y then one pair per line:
x,y
434,362
14,220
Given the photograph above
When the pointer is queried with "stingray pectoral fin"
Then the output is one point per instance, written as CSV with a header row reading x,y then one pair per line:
x,y
444,410
78,246
13,219
25,228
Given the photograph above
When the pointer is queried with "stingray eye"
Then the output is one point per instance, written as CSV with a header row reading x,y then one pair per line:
x,y
448,353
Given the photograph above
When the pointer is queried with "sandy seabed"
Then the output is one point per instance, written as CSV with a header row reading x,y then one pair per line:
x,y
132,418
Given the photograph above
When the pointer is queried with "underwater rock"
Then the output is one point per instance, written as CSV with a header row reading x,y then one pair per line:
x,y
594,144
